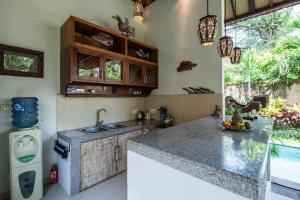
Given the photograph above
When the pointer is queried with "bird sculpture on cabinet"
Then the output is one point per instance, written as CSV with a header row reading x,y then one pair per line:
x,y
124,26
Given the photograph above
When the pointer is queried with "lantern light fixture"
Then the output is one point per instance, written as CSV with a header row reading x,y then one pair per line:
x,y
235,58
208,29
138,11
225,47
225,44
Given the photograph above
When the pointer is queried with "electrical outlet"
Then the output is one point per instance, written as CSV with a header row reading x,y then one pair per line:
x,y
152,110
134,111
4,107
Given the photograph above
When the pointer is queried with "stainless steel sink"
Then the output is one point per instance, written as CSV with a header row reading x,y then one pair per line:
x,y
112,126
105,127
93,129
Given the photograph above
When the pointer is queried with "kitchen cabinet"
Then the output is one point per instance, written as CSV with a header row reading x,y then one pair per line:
x,y
122,146
97,161
97,61
103,158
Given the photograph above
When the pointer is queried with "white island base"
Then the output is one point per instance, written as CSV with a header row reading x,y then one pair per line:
x,y
148,179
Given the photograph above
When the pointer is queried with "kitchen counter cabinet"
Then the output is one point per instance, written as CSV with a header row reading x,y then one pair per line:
x,y
85,146
122,146
97,161
103,158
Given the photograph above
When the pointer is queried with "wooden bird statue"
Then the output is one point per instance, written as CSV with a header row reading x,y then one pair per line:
x,y
124,27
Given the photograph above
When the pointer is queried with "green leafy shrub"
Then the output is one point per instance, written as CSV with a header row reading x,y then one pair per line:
x,y
274,108
281,133
285,115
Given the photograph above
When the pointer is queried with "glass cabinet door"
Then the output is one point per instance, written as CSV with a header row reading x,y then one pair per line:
x,y
135,73
113,70
88,65
150,77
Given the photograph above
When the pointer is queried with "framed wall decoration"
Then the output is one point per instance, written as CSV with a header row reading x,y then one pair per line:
x,y
16,61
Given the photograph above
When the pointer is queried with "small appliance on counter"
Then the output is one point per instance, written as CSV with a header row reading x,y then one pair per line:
x,y
166,119
140,115
25,150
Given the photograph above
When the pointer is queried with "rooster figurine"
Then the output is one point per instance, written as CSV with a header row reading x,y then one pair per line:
x,y
124,27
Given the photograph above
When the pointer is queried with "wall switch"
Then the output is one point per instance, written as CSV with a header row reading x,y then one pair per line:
x,y
4,107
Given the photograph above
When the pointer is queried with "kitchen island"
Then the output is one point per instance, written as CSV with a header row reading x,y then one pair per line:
x,y
200,160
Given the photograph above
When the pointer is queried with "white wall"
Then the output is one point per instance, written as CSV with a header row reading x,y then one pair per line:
x,y
35,24
171,26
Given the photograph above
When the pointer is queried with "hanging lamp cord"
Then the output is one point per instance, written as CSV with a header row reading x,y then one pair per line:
x,y
225,17
235,6
207,7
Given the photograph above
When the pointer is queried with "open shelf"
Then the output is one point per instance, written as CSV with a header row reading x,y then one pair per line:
x,y
141,52
88,35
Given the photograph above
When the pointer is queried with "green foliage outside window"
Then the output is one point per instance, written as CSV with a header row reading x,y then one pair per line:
x,y
21,63
272,51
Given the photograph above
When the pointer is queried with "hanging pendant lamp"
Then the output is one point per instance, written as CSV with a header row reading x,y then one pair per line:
x,y
225,44
208,29
236,56
138,11
237,52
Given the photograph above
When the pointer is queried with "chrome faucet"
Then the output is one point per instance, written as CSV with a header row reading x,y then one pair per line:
x,y
99,122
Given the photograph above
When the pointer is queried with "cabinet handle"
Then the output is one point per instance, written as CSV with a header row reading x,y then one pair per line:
x,y
102,74
117,153
120,153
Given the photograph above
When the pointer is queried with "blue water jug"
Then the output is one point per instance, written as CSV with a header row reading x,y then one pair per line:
x,y
24,112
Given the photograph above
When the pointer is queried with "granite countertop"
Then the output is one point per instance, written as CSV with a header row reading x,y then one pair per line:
x,y
78,136
233,160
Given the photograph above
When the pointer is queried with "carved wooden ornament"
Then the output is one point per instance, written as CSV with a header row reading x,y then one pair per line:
x,y
185,66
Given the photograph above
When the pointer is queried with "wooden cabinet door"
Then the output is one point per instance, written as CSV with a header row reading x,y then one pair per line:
x,y
122,149
86,65
113,70
150,75
98,161
134,73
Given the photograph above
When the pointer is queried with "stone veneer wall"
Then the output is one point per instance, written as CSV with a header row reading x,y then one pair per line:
x,y
292,93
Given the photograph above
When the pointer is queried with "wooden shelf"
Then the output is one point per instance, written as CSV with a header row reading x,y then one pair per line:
x,y
86,61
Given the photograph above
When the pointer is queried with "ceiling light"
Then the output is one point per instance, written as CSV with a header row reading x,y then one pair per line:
x,y
138,12
237,52
225,44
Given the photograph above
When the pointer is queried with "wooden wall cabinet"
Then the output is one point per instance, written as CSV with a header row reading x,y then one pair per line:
x,y
104,158
116,66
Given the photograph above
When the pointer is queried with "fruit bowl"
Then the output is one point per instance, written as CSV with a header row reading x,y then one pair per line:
x,y
241,126
233,129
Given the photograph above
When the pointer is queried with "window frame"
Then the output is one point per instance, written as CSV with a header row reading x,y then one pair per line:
x,y
40,62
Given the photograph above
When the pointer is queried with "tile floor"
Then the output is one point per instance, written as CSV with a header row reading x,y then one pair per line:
x,y
112,189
